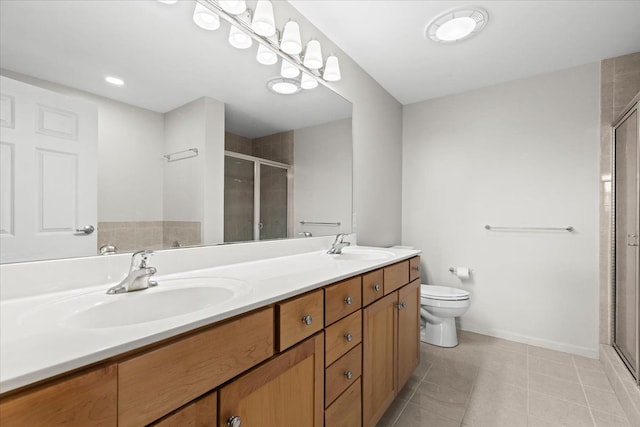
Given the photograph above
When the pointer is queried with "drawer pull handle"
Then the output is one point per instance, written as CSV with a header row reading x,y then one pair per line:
x,y
348,300
307,320
234,421
376,287
415,268
348,375
401,305
348,337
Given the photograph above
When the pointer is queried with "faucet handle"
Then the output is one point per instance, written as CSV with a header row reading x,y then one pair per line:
x,y
339,238
143,254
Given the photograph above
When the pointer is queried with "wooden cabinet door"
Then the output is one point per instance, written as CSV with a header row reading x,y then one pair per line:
x,y
288,390
408,331
85,399
379,383
201,413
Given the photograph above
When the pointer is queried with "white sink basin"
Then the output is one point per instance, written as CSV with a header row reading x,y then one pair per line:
x,y
171,298
361,254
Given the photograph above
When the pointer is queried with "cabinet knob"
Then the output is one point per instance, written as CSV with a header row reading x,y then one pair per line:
x,y
401,305
348,300
234,421
348,375
348,337
376,287
415,268
307,320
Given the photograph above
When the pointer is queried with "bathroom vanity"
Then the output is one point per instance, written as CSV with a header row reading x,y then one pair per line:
x,y
333,350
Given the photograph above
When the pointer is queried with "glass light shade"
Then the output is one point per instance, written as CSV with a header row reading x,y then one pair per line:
x,y
283,86
291,42
308,82
263,22
332,69
313,55
456,29
205,19
266,56
168,1
288,70
238,39
234,7
114,81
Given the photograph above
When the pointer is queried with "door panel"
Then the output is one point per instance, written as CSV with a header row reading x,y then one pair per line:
x,y
273,202
49,174
238,199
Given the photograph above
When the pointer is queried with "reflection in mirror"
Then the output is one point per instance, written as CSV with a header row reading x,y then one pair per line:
x,y
191,149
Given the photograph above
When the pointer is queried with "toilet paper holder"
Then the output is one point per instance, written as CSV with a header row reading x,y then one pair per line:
x,y
462,272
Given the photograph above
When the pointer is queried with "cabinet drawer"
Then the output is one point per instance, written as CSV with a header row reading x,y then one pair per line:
x,y
414,268
342,299
344,372
346,410
395,276
300,318
342,336
372,286
83,399
157,382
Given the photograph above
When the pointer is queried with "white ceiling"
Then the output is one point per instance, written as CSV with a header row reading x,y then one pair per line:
x,y
522,39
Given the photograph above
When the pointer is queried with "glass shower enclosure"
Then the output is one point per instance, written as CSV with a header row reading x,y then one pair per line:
x,y
626,251
256,198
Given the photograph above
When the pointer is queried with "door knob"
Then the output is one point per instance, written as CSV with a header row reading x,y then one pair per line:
x,y
234,421
87,229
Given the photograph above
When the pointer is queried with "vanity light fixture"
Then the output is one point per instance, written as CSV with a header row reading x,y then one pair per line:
x,y
332,69
114,81
263,22
266,56
238,38
290,42
313,55
205,19
288,70
234,7
308,82
457,24
284,86
168,1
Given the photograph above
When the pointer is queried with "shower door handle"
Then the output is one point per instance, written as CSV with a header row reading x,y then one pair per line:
x,y
632,240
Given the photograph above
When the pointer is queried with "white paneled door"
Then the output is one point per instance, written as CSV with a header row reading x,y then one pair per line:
x,y
48,174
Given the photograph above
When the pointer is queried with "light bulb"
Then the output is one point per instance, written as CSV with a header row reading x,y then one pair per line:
x,y
263,22
168,1
234,7
238,39
456,29
313,55
308,82
291,42
205,19
266,56
332,69
288,69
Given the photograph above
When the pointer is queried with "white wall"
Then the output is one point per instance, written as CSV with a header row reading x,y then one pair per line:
x,y
322,183
194,187
377,142
524,153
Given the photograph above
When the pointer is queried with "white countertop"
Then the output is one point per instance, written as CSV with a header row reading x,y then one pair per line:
x,y
34,347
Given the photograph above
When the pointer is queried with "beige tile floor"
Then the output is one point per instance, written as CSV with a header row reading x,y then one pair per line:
x,y
489,382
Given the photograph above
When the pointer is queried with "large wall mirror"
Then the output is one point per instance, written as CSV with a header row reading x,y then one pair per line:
x,y
193,148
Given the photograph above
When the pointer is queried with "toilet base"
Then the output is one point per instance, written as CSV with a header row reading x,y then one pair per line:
x,y
441,334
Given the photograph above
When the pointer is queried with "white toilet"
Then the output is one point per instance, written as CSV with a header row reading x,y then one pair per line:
x,y
439,307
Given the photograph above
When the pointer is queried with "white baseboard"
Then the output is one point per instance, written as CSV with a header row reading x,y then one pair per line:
x,y
592,353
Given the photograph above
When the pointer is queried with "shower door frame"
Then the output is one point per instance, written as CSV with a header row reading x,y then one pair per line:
x,y
633,366
257,163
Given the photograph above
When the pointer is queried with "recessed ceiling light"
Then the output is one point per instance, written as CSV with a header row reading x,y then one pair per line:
x,y
114,81
457,24
284,86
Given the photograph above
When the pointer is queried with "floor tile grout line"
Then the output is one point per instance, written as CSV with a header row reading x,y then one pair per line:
x,y
575,367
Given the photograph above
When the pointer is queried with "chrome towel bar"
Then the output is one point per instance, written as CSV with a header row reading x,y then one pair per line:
x,y
181,155
569,228
332,224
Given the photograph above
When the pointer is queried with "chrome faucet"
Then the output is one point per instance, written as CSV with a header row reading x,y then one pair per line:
x,y
139,275
338,245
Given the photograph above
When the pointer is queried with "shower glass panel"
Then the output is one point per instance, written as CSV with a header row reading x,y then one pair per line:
x,y
627,228
273,202
238,199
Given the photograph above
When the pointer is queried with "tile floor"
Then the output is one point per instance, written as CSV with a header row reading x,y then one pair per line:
x,y
489,382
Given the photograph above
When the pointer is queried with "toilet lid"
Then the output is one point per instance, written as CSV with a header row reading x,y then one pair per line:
x,y
446,293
